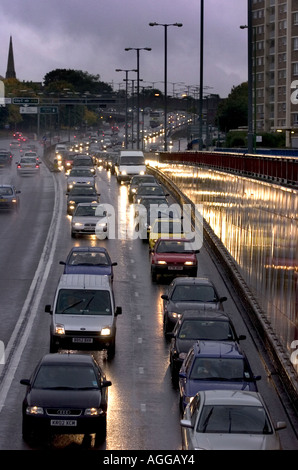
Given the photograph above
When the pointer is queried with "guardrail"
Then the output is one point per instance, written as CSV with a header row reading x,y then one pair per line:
x,y
274,168
217,250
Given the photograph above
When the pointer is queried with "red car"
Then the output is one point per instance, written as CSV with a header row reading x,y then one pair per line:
x,y
173,256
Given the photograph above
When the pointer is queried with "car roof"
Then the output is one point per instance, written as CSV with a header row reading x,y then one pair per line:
x,y
221,349
91,249
84,281
231,397
192,280
60,358
212,315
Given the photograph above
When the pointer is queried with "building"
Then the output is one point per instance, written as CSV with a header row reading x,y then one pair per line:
x,y
275,66
10,71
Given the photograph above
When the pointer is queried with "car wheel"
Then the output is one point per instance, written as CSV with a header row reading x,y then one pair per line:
x,y
53,347
28,434
73,235
102,432
112,350
153,276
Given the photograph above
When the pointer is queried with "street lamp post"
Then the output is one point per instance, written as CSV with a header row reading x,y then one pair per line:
x,y
126,85
138,49
165,75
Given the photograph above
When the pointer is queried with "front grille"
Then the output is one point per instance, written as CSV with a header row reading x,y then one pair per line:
x,y
81,333
63,412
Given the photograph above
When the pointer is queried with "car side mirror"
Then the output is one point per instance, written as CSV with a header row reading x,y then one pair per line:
x,y
118,311
25,382
48,309
280,425
186,423
223,299
241,337
62,262
106,383
257,377
164,297
115,264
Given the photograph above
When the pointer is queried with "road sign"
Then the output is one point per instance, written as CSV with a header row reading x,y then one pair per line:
x,y
48,109
25,100
28,109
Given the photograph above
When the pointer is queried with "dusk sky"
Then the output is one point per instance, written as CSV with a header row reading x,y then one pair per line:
x,y
91,36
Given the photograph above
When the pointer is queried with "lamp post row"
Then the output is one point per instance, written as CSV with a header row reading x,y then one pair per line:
x,y
138,49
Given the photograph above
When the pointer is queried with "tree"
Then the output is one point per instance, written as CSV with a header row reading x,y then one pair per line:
x,y
76,80
232,111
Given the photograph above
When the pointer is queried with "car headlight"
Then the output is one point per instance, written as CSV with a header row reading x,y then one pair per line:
x,y
175,314
105,331
142,172
59,329
34,410
123,172
78,224
161,262
71,202
188,263
93,412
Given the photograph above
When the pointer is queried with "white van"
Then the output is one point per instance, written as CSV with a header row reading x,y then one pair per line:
x,y
130,163
84,314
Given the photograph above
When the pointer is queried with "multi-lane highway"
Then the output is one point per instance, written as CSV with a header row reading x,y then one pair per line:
x,y
143,411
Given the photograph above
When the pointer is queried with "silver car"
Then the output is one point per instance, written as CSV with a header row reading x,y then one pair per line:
x,y
229,420
81,176
90,219
28,165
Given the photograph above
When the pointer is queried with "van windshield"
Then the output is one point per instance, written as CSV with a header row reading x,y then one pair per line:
x,y
132,160
84,302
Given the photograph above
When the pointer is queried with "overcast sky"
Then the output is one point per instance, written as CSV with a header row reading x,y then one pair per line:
x,y
91,35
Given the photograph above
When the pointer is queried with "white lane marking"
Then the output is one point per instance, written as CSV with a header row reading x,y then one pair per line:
x,y
18,339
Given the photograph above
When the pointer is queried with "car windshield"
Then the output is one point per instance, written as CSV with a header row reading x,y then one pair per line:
x,y
83,162
237,419
65,376
151,190
219,368
206,330
3,157
132,160
6,191
88,258
194,293
28,160
167,226
169,246
86,173
82,191
86,211
142,179
84,302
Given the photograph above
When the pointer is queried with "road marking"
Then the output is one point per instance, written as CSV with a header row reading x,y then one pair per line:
x,y
23,328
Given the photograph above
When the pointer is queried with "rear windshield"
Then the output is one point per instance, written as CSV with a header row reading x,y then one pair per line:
x,y
132,160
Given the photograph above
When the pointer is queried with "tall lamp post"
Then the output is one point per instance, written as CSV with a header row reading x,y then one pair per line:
x,y
138,49
126,89
250,133
165,74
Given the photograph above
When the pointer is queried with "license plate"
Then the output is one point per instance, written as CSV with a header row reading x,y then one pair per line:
x,y
175,268
63,422
82,340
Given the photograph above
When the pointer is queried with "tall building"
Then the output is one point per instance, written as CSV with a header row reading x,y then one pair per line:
x,y
275,65
10,71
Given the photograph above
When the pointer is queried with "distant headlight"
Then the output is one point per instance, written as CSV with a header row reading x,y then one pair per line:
x,y
93,411
175,314
142,172
123,172
34,410
188,263
78,224
161,262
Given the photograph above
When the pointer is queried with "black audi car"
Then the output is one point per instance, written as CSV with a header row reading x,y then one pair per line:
x,y
80,193
66,394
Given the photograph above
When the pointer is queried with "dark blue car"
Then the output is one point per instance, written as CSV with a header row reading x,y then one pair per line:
x,y
214,365
88,260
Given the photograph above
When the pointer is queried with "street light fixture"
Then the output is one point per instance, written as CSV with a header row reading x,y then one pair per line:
x,y
126,85
165,74
138,49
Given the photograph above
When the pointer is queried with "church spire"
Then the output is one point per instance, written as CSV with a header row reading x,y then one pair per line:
x,y
10,72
